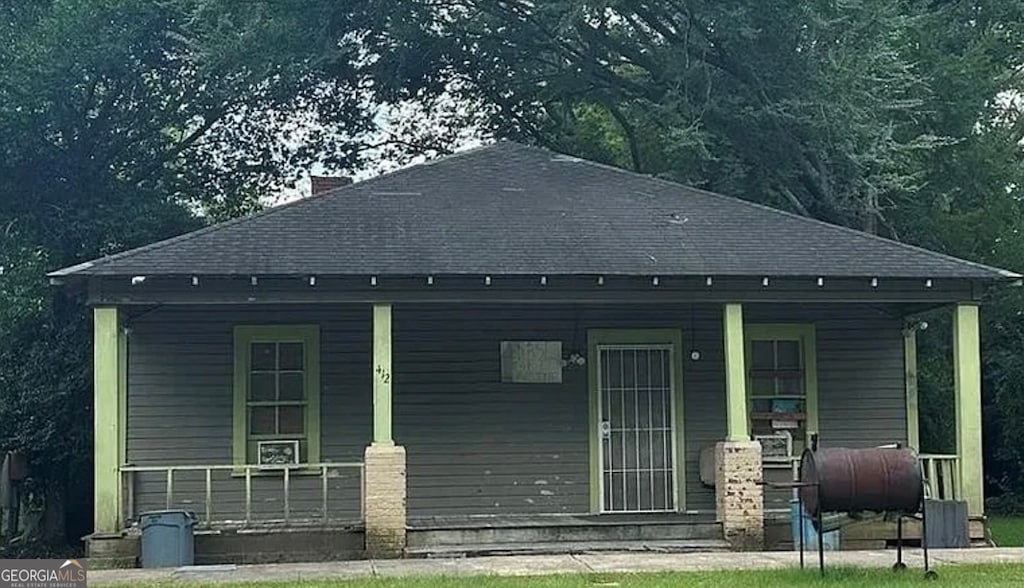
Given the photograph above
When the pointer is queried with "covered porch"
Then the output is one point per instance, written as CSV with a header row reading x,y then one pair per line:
x,y
431,427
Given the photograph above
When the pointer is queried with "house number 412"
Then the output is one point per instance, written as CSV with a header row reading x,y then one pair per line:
x,y
383,374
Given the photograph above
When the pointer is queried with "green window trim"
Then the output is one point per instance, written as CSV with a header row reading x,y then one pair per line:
x,y
598,337
244,337
804,333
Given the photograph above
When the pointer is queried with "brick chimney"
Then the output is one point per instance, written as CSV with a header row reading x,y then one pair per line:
x,y
322,184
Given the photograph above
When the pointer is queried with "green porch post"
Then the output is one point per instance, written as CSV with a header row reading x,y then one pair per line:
x,y
382,374
384,483
739,498
735,375
967,376
108,420
910,387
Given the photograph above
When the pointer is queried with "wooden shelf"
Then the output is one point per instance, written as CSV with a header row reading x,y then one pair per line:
x,y
779,416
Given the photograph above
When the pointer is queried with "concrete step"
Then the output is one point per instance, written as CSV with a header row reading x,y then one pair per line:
x,y
580,531
568,547
555,520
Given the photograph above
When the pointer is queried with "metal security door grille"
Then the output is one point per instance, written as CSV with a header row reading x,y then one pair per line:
x,y
637,438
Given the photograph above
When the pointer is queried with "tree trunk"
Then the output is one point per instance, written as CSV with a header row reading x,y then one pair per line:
x,y
52,529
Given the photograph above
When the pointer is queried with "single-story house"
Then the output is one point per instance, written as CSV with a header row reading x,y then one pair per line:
x,y
506,347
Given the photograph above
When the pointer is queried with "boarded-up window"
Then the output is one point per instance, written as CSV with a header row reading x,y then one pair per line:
x,y
535,362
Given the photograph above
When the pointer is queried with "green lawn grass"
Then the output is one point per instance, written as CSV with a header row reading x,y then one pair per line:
x,y
1007,531
988,576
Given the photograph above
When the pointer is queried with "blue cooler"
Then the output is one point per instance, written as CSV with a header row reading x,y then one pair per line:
x,y
830,540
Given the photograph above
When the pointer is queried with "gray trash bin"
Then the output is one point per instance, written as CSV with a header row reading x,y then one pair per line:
x,y
167,539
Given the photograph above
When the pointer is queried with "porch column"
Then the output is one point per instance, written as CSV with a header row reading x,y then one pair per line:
x,y
738,492
382,374
737,422
910,387
967,379
108,418
385,478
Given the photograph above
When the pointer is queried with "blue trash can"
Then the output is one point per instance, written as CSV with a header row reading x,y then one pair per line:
x,y
167,539
830,540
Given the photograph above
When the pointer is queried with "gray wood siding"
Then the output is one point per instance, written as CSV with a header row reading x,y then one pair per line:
x,y
474,444
860,371
180,402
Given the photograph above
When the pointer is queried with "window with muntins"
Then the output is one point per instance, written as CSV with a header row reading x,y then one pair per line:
x,y
277,390
781,388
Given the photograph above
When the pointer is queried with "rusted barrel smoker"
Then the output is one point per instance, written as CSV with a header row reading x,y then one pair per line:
x,y
857,480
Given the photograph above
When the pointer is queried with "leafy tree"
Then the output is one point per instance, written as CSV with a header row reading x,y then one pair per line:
x,y
126,121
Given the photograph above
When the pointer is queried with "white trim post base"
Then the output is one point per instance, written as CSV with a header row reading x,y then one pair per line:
x,y
739,494
384,500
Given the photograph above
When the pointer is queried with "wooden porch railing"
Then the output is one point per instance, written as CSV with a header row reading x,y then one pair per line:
x,y
244,473
941,476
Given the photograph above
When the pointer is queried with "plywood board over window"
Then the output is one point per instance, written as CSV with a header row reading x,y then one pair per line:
x,y
536,362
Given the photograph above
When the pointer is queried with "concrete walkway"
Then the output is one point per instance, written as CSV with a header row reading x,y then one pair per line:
x,y
544,564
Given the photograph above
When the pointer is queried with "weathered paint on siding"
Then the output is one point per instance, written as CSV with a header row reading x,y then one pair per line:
x,y
180,405
474,444
523,448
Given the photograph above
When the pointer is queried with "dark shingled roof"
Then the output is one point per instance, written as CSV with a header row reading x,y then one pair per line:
x,y
512,209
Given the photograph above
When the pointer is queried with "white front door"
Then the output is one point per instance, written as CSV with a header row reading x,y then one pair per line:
x,y
635,421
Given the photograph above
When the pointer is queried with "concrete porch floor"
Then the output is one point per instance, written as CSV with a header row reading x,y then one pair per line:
x,y
544,564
